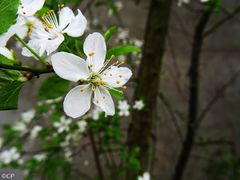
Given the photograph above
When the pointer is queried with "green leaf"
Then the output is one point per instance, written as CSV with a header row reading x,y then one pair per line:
x,y
53,87
122,50
11,82
5,60
108,34
118,94
8,14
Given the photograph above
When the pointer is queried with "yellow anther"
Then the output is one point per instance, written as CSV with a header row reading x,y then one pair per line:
x,y
118,82
124,87
110,74
61,5
91,54
113,56
104,97
81,80
24,12
120,76
97,101
81,90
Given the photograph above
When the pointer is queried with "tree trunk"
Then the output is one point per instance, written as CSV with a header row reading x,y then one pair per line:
x,y
140,131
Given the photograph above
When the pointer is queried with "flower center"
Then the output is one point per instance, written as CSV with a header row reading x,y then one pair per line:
x,y
95,80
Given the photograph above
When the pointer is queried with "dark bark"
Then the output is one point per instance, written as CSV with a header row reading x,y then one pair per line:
x,y
96,156
140,132
193,99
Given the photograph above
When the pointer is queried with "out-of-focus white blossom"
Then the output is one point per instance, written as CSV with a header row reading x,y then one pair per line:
x,y
35,131
20,126
123,34
118,5
68,154
180,2
63,124
82,126
40,157
139,105
137,42
123,107
9,156
28,116
86,163
94,113
146,176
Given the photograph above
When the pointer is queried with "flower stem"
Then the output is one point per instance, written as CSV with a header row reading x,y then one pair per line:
x,y
31,50
27,69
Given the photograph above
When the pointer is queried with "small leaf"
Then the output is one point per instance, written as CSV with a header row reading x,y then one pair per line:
x,y
8,14
11,82
108,34
118,94
53,87
122,50
5,60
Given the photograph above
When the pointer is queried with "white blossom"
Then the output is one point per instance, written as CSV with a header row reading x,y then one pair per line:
x,y
10,155
35,131
28,116
6,52
180,2
86,163
95,113
68,154
20,126
82,126
123,34
25,20
146,176
47,37
96,78
62,125
40,157
123,107
139,105
118,5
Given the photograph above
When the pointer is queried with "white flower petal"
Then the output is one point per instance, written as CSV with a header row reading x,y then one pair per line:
x,y
116,76
95,49
30,7
77,26
69,66
65,17
18,28
78,101
6,52
44,44
53,44
103,99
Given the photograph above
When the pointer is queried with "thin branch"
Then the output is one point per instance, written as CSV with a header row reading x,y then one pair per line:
x,y
218,94
96,156
172,115
221,22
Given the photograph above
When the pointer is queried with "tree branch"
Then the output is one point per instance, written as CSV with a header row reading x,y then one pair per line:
x,y
27,69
